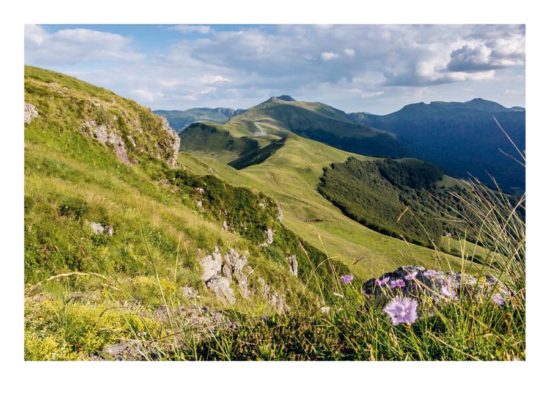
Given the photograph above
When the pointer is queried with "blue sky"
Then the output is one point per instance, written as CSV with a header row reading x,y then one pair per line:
x,y
373,68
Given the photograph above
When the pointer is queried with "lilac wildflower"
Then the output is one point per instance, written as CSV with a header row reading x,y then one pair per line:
x,y
448,291
399,283
348,278
498,299
382,282
430,274
411,276
402,310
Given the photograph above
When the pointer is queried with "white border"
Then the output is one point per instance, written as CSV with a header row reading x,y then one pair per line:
x,y
283,376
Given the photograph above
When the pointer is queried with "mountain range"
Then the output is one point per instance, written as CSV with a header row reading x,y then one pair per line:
x,y
464,139
440,132
178,120
138,236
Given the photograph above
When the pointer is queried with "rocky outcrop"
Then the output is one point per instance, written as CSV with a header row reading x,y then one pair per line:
x,y
189,292
233,268
219,273
293,264
202,321
221,287
211,265
108,137
279,214
125,350
174,141
276,300
268,238
30,112
99,229
419,282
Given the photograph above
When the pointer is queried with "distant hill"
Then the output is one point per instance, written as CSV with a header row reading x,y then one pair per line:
x,y
178,120
461,138
282,115
405,198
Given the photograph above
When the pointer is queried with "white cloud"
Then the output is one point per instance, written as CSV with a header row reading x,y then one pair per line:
x,y
349,52
327,56
343,65
214,79
71,46
193,29
147,96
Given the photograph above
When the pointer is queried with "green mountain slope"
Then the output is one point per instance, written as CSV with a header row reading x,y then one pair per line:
x,y
278,117
461,138
406,198
116,232
291,176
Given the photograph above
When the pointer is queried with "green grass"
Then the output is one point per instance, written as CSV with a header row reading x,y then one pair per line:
x,y
291,177
86,291
404,198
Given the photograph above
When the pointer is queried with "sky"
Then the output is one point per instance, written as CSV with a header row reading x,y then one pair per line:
x,y
368,68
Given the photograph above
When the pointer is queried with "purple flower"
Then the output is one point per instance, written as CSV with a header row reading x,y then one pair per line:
x,y
498,299
448,291
399,283
382,282
430,274
402,310
411,276
347,278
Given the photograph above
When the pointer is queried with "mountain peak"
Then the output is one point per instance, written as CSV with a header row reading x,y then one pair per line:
x,y
484,105
285,98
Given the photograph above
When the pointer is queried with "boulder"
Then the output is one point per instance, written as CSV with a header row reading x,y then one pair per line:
x,y
221,287
30,112
99,229
211,265
419,282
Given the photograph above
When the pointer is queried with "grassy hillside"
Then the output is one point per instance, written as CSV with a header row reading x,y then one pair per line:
x,y
291,177
86,290
277,117
117,234
401,198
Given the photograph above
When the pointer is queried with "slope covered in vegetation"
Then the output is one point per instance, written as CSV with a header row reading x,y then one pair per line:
x,y
462,138
402,198
320,122
113,247
126,250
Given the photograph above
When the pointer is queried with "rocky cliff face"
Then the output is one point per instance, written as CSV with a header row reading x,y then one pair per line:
x,y
65,104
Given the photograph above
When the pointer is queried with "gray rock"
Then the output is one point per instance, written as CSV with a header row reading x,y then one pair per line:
x,y
211,265
107,137
174,141
189,292
279,214
125,350
417,281
100,229
30,112
293,264
221,286
269,237
276,300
